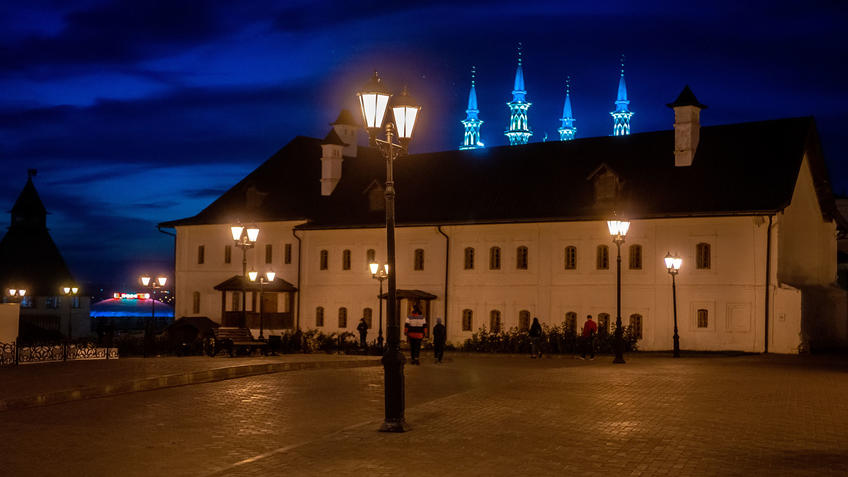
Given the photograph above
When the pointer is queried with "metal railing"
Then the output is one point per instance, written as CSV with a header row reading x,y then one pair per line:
x,y
12,354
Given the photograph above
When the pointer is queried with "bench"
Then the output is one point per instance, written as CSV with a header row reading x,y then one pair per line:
x,y
233,340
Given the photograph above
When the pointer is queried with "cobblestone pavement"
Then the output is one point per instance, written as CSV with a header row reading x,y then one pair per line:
x,y
717,415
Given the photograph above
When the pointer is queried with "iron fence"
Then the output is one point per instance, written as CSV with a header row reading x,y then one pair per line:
x,y
12,354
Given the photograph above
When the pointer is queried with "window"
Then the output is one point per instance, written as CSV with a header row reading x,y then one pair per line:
x,y
467,318
702,256
236,301
635,257
523,320
319,317
75,303
342,317
287,254
27,302
602,262
325,257
495,321
228,253
367,313
571,323
703,318
346,260
370,256
521,258
201,254
51,302
195,302
571,257
636,326
603,324
419,259
495,258
269,253
469,258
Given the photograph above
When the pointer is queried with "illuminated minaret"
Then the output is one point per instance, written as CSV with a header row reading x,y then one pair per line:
x,y
472,122
519,131
568,130
621,115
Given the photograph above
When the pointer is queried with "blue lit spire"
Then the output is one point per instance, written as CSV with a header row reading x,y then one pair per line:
x,y
472,122
621,115
568,130
519,131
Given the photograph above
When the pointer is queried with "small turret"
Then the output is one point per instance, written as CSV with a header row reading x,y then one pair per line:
x,y
687,126
471,139
567,131
621,115
332,148
347,129
519,128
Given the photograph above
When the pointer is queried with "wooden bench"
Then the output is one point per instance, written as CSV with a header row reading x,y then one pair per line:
x,y
233,340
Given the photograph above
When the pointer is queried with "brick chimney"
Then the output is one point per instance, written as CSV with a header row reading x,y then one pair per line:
x,y
687,127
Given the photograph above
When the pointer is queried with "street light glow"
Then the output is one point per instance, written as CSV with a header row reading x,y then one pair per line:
x,y
270,276
236,230
145,280
252,233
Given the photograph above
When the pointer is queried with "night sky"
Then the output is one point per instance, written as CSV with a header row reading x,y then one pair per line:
x,y
137,112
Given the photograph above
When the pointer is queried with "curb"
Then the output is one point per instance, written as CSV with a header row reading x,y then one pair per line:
x,y
174,380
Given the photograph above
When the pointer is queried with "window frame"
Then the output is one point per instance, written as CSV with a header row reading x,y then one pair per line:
x,y
418,259
468,263
602,257
228,254
319,317
195,302
635,259
495,321
636,323
495,258
705,316
201,254
703,256
342,318
324,260
287,254
570,258
467,314
524,320
346,259
522,257
269,253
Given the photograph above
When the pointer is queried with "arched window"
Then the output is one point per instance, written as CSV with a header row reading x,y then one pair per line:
x,y
702,256
319,317
571,257
367,313
636,326
703,318
571,323
346,260
602,261
195,302
495,258
325,258
370,256
523,320
521,258
419,259
603,324
342,317
467,319
495,321
635,257
469,258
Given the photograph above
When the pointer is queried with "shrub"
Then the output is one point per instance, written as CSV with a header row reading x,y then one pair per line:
x,y
556,339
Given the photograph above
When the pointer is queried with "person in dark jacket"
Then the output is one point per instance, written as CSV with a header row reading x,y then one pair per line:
x,y
414,331
535,339
363,331
439,337
588,335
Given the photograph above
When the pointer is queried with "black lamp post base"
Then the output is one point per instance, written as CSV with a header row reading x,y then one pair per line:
x,y
394,425
676,347
393,362
618,360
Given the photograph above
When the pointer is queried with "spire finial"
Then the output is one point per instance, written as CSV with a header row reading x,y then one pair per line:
x,y
31,173
622,64
519,53
567,84
473,75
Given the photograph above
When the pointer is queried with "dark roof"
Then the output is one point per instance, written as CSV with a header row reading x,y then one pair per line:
x,y
239,282
747,168
345,118
29,203
686,98
333,138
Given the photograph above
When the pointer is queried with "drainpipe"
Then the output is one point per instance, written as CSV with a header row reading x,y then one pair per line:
x,y
297,307
447,269
768,283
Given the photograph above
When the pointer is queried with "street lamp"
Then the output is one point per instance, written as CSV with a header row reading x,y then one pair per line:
x,y
268,278
19,292
373,100
618,230
244,238
70,292
672,264
380,274
153,285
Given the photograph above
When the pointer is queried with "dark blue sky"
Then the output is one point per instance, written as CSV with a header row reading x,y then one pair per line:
x,y
136,112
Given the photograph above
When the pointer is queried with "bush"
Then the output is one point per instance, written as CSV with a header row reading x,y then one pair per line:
x,y
556,339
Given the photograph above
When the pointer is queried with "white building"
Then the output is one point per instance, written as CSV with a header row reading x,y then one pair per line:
x,y
493,237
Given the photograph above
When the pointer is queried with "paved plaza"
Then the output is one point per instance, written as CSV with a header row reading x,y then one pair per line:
x,y
474,415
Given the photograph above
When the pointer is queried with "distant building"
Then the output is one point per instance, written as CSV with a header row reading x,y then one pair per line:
x,y
30,260
129,312
490,239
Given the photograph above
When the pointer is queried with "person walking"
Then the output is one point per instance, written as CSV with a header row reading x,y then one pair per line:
x,y
439,337
414,331
588,334
363,332
535,339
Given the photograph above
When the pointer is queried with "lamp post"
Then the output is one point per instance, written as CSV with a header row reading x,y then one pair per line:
x,y
672,264
69,292
380,274
268,278
373,101
17,292
618,230
244,238
153,285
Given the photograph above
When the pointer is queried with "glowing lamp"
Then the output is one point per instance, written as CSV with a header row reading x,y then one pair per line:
x,y
373,100
618,228
405,112
66,290
252,274
22,292
74,290
270,276
145,280
236,230
373,266
12,291
672,263
162,281
252,233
